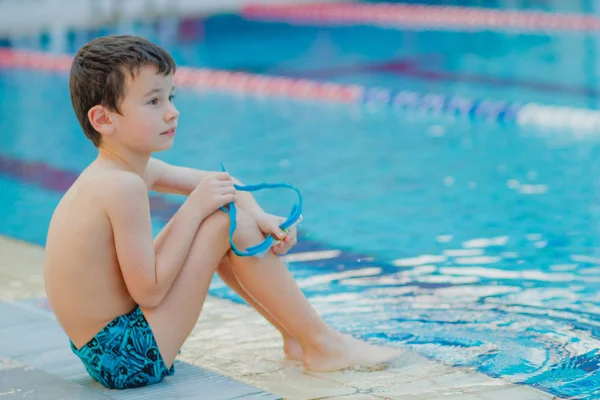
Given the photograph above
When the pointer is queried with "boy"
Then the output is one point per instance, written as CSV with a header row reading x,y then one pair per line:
x,y
126,302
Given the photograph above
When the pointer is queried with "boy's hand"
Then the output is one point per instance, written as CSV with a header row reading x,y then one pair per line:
x,y
269,224
213,192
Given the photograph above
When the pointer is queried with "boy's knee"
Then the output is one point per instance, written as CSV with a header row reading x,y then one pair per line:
x,y
217,223
246,232
244,220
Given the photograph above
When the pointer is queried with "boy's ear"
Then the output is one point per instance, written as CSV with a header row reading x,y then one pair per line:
x,y
100,119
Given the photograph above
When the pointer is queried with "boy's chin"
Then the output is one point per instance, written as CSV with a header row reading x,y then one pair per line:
x,y
163,146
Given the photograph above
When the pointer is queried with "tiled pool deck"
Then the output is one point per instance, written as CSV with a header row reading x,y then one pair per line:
x,y
232,353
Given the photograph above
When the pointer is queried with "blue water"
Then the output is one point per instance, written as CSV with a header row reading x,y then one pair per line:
x,y
477,241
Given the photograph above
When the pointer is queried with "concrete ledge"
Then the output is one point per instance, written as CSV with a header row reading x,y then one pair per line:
x,y
233,341
42,365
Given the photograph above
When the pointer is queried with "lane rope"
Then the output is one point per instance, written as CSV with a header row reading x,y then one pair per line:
x,y
424,16
408,101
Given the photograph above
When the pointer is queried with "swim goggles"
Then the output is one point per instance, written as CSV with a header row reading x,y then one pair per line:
x,y
262,248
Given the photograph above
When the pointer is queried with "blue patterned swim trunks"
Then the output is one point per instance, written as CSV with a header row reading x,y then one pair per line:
x,y
124,354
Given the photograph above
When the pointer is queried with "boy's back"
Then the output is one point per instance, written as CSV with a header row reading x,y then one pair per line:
x,y
83,280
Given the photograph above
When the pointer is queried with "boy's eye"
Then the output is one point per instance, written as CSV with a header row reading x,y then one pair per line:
x,y
171,97
153,101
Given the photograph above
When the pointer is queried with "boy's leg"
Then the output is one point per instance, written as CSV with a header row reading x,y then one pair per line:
x,y
269,283
174,318
291,346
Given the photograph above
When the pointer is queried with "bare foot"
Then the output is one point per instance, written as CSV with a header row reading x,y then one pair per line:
x,y
292,349
344,351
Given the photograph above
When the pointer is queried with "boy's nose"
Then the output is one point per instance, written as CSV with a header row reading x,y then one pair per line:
x,y
171,114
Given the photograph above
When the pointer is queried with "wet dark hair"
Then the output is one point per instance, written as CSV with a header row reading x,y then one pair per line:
x,y
98,73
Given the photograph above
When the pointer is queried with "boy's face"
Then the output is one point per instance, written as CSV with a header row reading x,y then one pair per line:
x,y
148,117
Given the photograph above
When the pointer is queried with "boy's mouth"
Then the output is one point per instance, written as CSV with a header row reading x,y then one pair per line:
x,y
170,132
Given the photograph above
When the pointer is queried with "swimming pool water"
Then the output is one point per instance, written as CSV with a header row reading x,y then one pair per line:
x,y
474,243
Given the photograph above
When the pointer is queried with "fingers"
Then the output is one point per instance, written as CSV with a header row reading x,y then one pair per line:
x,y
292,232
224,182
223,186
289,242
226,190
291,235
283,247
279,233
222,176
226,198
226,194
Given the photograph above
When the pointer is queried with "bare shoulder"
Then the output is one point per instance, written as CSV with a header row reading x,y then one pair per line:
x,y
122,182
95,193
113,187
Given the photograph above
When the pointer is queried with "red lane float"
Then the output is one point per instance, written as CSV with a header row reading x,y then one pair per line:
x,y
389,15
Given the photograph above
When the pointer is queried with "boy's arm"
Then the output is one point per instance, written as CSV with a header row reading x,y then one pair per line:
x,y
148,272
168,178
